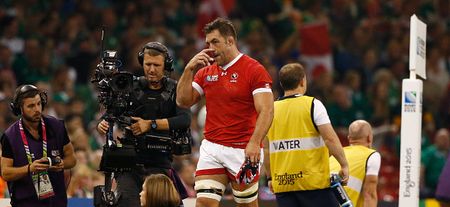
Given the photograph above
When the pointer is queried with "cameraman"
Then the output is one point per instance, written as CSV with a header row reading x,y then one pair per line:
x,y
155,114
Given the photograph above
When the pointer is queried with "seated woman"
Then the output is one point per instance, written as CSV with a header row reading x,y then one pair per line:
x,y
159,191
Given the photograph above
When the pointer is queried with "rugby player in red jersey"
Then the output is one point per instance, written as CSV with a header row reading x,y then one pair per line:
x,y
239,103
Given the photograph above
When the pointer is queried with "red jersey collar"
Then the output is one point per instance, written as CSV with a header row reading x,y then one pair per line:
x,y
232,62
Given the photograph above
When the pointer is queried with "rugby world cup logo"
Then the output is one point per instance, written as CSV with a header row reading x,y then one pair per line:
x,y
410,97
410,101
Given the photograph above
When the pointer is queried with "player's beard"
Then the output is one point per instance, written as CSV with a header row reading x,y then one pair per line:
x,y
36,118
219,59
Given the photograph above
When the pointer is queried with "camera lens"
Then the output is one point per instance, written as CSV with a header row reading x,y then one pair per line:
x,y
122,82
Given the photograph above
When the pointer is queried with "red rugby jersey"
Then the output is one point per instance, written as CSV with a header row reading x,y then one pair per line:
x,y
229,90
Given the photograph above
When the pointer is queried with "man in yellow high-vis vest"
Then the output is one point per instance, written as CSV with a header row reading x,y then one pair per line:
x,y
298,144
364,165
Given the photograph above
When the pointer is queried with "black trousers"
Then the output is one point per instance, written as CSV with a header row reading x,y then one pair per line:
x,y
308,198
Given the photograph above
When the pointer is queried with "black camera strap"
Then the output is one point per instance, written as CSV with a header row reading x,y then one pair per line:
x,y
169,88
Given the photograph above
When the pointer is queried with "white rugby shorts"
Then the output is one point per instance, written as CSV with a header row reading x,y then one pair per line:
x,y
216,159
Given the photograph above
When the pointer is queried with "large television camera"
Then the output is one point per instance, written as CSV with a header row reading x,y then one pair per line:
x,y
115,88
116,91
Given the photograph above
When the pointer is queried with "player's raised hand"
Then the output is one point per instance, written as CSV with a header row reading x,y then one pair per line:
x,y
200,60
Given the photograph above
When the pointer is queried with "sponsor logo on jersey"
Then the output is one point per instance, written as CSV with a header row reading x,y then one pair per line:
x,y
212,78
234,77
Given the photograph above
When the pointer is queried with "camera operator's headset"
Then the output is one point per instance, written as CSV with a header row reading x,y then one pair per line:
x,y
15,105
168,61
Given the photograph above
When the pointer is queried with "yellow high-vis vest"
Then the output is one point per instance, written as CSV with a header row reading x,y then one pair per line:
x,y
357,157
298,155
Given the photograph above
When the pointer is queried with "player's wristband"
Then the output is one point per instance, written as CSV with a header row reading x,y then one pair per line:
x,y
28,168
269,179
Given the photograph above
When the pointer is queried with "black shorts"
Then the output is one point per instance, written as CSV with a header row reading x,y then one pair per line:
x,y
308,198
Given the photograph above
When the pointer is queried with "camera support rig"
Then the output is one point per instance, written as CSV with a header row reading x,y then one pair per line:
x,y
116,158
114,92
103,195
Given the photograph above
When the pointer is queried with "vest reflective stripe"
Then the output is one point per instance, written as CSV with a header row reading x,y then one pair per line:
x,y
296,144
354,184
357,157
298,155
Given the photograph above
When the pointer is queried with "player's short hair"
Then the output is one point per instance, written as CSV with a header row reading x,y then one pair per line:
x,y
290,75
224,26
